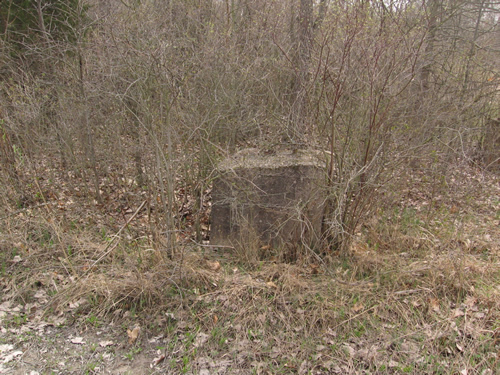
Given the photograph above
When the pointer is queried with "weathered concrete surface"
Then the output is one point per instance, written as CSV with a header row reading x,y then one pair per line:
x,y
273,199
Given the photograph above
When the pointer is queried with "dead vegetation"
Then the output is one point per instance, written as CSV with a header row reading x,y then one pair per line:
x,y
114,118
418,293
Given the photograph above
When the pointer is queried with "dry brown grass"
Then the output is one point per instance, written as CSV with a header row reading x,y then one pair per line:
x,y
418,294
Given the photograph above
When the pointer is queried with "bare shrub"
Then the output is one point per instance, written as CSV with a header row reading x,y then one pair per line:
x,y
147,98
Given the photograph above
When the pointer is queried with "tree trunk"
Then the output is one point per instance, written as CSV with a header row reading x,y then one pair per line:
x,y
301,34
425,74
472,49
88,138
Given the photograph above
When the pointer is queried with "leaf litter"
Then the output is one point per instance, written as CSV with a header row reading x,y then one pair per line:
x,y
224,318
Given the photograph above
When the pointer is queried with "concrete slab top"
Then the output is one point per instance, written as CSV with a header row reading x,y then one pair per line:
x,y
253,158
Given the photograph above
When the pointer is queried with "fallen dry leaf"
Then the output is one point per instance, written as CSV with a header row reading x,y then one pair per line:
x,y
271,284
77,340
213,266
158,360
6,347
470,301
314,269
331,332
275,352
11,356
349,350
393,364
416,303
74,305
434,304
5,306
479,315
133,334
200,339
104,344
41,294
357,307
457,313
56,321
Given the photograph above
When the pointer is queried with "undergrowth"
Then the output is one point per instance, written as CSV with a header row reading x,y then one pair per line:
x,y
418,293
